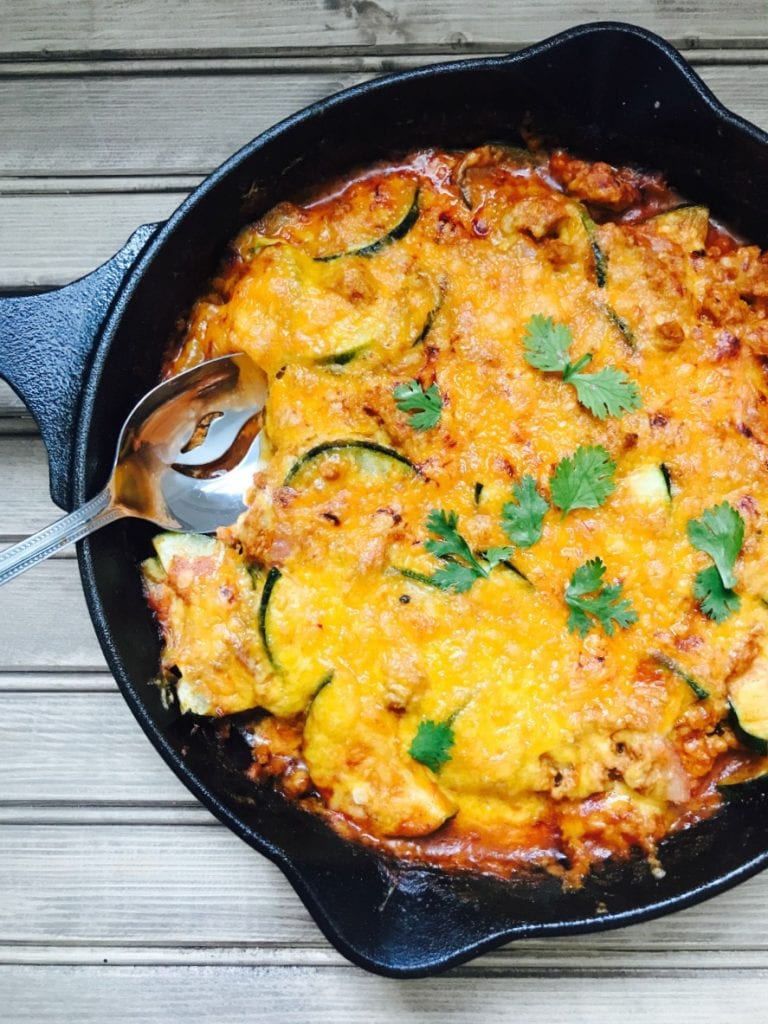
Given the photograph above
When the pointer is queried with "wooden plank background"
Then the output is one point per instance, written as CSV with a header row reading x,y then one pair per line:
x,y
121,899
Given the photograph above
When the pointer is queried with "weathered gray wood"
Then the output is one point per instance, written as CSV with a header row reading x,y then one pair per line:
x,y
14,418
186,124
143,995
56,682
25,504
78,748
43,27
44,623
201,885
53,239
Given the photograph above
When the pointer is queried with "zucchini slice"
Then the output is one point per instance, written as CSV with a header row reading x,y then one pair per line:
x,y
686,225
337,359
182,545
748,698
400,230
367,455
206,601
650,486
291,614
671,665
360,763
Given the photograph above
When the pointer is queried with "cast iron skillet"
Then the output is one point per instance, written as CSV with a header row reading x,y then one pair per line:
x,y
81,356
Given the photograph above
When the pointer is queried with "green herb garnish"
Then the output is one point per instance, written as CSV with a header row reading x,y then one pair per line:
x,y
591,601
522,521
719,533
584,480
432,744
717,602
423,406
609,392
461,567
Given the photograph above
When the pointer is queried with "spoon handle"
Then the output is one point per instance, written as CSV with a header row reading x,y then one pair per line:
x,y
78,524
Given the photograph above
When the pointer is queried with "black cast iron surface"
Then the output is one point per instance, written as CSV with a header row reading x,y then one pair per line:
x,y
606,90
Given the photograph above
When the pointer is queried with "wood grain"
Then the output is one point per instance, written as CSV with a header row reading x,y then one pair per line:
x,y
187,124
50,240
200,885
74,748
44,623
146,995
25,503
44,27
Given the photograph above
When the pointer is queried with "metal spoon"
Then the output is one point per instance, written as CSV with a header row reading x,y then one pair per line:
x,y
186,456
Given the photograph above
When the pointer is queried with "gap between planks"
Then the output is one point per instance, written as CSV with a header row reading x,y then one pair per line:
x,y
525,958
320,61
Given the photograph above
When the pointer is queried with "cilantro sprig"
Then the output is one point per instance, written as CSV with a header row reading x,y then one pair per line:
x,y
609,392
719,533
583,480
432,743
423,406
591,601
460,566
522,521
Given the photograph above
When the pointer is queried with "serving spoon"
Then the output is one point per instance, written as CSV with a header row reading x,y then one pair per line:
x,y
187,454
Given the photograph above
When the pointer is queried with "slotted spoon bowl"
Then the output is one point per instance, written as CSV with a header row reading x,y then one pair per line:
x,y
160,473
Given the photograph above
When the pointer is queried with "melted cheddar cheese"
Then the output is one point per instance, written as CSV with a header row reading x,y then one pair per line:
x,y
317,607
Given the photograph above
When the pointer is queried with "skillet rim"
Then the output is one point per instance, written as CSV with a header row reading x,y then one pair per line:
x,y
131,692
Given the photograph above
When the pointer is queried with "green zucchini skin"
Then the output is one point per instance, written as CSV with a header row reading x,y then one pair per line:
x,y
621,326
667,477
340,358
419,577
335,446
672,666
757,743
400,230
518,572
273,576
599,257
747,789
431,315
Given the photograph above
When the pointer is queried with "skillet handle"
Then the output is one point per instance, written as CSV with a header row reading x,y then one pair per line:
x,y
46,343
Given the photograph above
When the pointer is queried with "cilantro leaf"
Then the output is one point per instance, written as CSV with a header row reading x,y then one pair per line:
x,y
454,576
717,601
424,407
432,744
495,555
461,566
608,392
522,522
719,533
584,480
451,543
604,606
547,344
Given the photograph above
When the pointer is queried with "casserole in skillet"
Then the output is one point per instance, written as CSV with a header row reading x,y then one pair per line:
x,y
498,599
